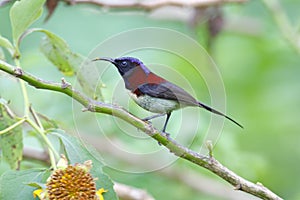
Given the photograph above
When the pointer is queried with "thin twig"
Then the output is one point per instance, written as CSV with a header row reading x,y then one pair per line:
x,y
281,19
127,192
12,126
36,118
207,162
151,5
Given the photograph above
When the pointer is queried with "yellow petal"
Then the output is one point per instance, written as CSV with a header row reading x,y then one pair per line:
x,y
37,193
100,192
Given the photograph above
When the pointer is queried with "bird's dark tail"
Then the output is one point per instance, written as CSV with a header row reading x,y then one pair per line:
x,y
218,113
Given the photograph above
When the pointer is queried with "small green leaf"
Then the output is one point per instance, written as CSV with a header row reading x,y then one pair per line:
x,y
11,142
76,152
4,42
23,14
38,185
13,184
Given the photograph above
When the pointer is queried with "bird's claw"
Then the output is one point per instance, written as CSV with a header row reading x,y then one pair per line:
x,y
166,134
146,120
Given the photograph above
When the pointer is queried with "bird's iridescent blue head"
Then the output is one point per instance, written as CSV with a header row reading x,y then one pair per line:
x,y
125,64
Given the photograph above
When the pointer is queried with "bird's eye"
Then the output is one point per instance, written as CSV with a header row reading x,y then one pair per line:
x,y
123,64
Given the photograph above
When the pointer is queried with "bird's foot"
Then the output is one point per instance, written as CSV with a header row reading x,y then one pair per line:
x,y
147,121
152,117
166,134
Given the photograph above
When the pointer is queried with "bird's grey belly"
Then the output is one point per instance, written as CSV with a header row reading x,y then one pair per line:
x,y
156,105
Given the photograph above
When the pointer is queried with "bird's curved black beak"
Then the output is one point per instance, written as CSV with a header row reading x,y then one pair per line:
x,y
111,60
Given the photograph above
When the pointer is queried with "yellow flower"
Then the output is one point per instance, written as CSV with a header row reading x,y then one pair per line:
x,y
70,183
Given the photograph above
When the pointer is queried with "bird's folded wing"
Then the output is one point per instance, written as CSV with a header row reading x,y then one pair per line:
x,y
171,91
168,91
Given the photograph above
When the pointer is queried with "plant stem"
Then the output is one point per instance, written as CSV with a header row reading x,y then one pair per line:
x,y
52,152
24,91
12,126
52,159
37,125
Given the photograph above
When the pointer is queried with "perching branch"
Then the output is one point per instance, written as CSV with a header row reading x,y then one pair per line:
x,y
207,162
190,178
151,5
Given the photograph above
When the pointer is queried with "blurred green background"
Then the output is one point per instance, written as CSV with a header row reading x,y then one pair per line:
x,y
261,75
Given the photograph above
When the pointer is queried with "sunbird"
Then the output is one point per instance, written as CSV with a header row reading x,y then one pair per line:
x,y
154,93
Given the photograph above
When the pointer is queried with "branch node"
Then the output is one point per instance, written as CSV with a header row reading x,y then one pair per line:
x,y
18,72
211,160
167,135
238,187
84,109
90,107
64,83
260,184
210,147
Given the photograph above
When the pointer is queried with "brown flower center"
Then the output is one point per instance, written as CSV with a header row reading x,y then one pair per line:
x,y
71,183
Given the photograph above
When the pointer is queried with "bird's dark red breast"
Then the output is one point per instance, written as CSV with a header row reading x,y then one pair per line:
x,y
139,77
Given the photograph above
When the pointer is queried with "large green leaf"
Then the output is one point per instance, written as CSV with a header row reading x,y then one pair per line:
x,y
68,62
23,14
77,152
14,184
58,52
11,142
